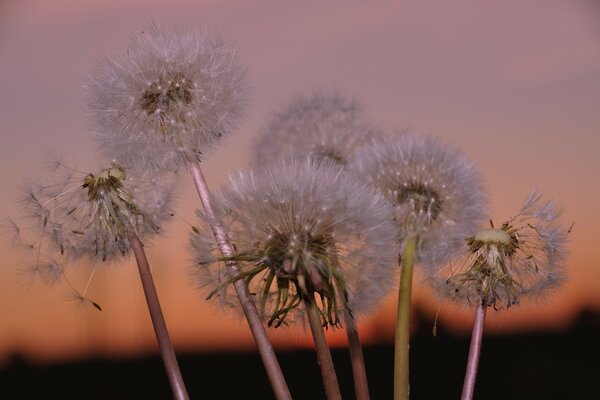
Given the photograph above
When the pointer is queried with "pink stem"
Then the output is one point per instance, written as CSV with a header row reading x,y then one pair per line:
x,y
263,344
474,351
361,387
330,382
158,321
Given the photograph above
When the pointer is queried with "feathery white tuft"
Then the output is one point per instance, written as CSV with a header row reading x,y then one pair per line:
x,y
324,125
300,228
435,190
168,99
523,258
93,214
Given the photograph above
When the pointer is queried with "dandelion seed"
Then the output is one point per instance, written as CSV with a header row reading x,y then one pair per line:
x,y
522,258
300,229
324,125
168,100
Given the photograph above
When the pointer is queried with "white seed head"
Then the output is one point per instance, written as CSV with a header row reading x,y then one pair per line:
x,y
324,125
167,100
94,214
435,190
524,258
301,228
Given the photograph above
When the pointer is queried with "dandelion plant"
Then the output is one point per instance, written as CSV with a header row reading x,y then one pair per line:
x,y
436,196
324,126
101,217
311,241
164,104
498,266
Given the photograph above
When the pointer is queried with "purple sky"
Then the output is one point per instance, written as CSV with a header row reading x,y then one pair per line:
x,y
515,84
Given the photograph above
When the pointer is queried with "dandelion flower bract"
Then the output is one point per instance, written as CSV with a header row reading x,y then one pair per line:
x,y
94,214
168,99
301,228
523,258
324,125
434,189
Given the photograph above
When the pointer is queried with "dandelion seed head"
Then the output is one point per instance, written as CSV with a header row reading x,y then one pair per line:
x,y
94,214
300,228
523,258
435,190
168,99
324,125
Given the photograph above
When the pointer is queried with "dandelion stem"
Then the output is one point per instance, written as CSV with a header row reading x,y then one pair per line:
x,y
158,321
357,360
401,356
361,387
474,351
332,389
263,344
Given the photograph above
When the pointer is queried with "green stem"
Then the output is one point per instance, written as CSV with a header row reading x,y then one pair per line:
x,y
401,363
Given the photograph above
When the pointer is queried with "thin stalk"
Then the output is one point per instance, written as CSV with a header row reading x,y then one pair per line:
x,y
474,351
263,344
332,388
357,359
158,321
402,346
361,387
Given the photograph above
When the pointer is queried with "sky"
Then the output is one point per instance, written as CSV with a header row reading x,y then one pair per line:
x,y
515,85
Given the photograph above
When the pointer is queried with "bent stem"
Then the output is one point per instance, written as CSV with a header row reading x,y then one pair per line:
x,y
263,344
332,389
361,387
401,354
474,351
158,321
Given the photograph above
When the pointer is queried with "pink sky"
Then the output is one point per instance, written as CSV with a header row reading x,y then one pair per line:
x,y
515,84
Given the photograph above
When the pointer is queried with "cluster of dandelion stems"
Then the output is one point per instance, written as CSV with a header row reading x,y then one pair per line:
x,y
489,271
309,270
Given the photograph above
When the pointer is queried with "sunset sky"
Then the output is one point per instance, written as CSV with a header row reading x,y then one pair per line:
x,y
515,85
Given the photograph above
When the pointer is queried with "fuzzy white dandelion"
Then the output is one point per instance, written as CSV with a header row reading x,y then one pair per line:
x,y
499,266
324,125
168,99
435,190
302,229
283,222
437,198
